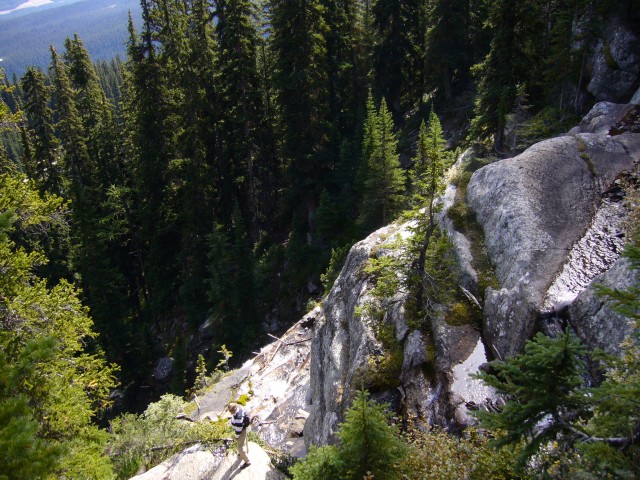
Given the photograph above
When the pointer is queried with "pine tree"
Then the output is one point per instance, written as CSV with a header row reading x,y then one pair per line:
x,y
399,53
43,162
539,385
381,177
299,41
511,61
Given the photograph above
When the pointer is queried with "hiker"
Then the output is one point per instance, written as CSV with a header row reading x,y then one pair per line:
x,y
240,426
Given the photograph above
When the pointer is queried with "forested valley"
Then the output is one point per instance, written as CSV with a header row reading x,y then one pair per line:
x,y
206,189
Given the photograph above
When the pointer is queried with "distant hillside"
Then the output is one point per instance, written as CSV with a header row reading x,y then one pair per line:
x,y
25,35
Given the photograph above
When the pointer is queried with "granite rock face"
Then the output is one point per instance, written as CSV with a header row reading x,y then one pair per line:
x,y
345,342
616,63
592,316
534,208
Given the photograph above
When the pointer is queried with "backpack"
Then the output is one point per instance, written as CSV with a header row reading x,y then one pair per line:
x,y
246,420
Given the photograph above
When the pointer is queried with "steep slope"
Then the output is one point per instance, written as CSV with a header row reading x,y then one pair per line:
x,y
553,226
537,211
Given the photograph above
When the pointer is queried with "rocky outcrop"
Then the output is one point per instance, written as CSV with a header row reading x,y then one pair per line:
x,y
201,463
345,344
534,208
553,227
615,72
593,317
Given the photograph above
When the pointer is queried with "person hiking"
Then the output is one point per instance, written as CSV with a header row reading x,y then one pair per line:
x,y
240,426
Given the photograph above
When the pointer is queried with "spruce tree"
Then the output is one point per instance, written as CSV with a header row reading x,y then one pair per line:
x,y
231,285
380,173
43,161
95,111
447,44
80,168
244,124
541,389
399,53
150,146
299,42
511,62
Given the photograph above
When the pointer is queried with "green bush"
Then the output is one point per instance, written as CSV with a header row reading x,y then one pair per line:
x,y
148,439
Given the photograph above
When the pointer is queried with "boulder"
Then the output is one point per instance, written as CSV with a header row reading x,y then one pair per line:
x,y
534,207
616,64
200,463
345,342
163,369
592,317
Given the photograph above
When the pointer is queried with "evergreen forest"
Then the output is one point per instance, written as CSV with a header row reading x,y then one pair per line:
x,y
206,188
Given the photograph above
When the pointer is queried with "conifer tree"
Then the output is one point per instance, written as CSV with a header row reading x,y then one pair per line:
x,y
149,144
512,61
243,130
399,53
429,166
299,30
540,383
447,43
381,176
231,283
80,168
43,162
370,447
369,443
94,109
46,332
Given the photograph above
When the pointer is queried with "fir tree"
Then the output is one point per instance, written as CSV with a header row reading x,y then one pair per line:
x,y
231,283
370,447
80,168
299,30
243,131
43,161
381,177
512,61
399,53
95,111
541,390
447,43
